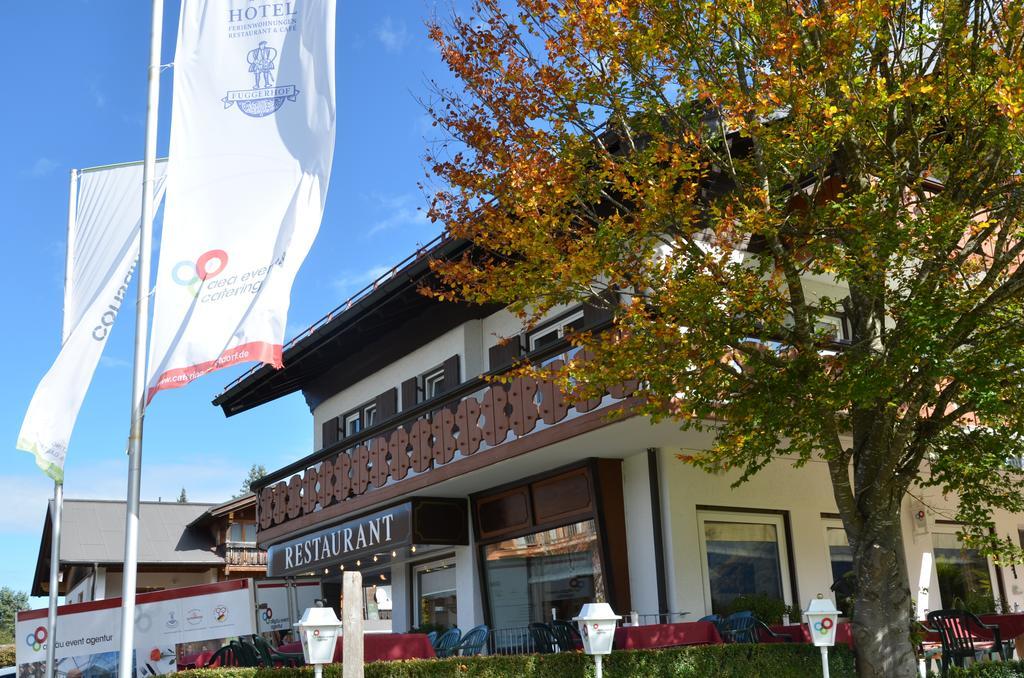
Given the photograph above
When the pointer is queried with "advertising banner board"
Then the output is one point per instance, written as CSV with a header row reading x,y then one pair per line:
x,y
273,610
169,626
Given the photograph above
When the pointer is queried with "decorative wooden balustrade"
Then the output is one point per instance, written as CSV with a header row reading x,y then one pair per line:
x,y
244,555
454,429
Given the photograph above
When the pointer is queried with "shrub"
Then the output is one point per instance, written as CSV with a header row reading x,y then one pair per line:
x,y
782,660
7,655
990,670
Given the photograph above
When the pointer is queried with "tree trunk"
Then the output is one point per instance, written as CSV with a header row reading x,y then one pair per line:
x,y
882,607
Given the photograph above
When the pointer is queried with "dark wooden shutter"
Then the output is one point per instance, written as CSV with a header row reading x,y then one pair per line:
x,y
387,404
451,374
596,314
501,356
409,391
331,431
599,312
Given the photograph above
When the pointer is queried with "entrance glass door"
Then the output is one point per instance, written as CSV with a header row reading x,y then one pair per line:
x,y
434,594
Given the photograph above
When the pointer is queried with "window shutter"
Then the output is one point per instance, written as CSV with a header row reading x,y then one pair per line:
x,y
331,431
501,356
451,374
601,312
409,393
387,404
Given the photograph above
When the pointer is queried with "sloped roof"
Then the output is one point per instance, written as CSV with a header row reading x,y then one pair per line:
x,y
93,532
246,501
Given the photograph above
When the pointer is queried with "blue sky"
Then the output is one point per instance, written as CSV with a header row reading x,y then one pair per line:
x,y
74,84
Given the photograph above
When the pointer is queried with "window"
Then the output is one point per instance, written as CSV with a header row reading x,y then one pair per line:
x,y
841,560
434,593
353,424
361,419
433,384
242,533
965,580
537,576
553,332
743,554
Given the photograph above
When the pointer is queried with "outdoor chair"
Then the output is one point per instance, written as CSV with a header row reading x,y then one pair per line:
x,y
247,654
565,634
544,639
473,642
272,657
717,620
744,627
446,644
958,641
432,637
226,655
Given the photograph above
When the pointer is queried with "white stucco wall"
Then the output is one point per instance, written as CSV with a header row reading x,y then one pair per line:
x,y
805,494
636,497
426,357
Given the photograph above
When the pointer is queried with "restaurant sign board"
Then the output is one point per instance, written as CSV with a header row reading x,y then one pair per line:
x,y
361,537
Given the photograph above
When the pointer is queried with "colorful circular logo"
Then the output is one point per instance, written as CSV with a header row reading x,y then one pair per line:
x,y
267,614
36,639
824,626
192,274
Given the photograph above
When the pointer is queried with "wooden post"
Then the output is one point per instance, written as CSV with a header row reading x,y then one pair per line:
x,y
352,624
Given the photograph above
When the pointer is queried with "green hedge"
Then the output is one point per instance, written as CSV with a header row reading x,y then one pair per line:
x,y
724,661
990,670
6,655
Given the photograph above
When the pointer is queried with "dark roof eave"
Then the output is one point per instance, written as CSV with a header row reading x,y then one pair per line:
x,y
244,394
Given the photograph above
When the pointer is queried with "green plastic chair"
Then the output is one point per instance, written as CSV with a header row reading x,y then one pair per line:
x,y
448,642
248,656
473,642
544,639
272,657
566,635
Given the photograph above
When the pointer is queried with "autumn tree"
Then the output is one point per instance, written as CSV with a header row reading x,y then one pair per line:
x,y
707,161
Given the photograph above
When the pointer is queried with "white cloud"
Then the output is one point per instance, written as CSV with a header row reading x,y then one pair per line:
x,y
399,210
393,38
349,284
109,361
98,97
42,166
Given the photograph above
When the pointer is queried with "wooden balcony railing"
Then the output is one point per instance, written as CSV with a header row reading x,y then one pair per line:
x,y
243,555
476,416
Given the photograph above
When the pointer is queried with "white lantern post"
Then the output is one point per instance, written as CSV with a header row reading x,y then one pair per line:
x,y
318,631
597,628
822,620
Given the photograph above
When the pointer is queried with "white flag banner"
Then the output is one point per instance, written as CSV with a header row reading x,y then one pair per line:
x,y
252,139
106,245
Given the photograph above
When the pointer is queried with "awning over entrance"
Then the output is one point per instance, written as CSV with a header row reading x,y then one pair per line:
x,y
377,536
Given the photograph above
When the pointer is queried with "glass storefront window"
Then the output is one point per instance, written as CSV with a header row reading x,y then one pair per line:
x,y
552,572
744,557
964,578
435,594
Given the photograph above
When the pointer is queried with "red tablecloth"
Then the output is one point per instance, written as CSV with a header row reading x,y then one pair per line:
x,y
1010,625
666,635
196,661
380,647
800,634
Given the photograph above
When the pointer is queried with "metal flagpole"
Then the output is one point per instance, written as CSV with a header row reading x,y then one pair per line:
x,y
131,523
58,487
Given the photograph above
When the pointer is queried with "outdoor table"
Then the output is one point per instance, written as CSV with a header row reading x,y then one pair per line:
x,y
382,647
665,635
194,661
1011,627
800,634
